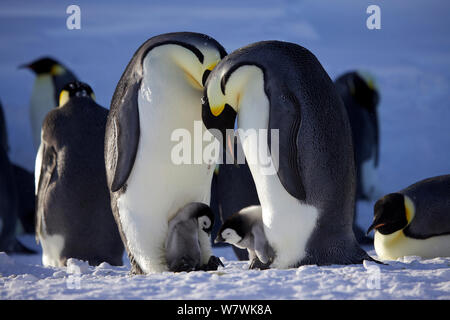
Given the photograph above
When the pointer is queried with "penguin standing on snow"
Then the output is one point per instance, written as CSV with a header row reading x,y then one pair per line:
x,y
308,198
414,221
3,130
9,197
51,77
74,218
158,95
361,98
187,241
245,230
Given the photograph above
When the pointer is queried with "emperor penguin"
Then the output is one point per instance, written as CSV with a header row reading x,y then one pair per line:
x,y
285,100
3,130
245,230
9,197
361,97
187,244
414,221
51,77
157,98
74,217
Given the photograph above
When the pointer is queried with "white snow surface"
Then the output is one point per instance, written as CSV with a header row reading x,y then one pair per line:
x,y
409,58
24,277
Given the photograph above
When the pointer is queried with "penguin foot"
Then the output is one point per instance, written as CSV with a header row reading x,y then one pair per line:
x,y
213,264
257,264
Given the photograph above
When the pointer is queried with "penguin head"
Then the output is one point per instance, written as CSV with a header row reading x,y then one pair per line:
x,y
45,65
392,213
75,89
195,53
222,94
232,230
205,218
362,87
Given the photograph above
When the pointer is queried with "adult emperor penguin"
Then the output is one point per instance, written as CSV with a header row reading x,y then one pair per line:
x,y
9,197
245,230
3,130
414,221
51,77
158,96
74,217
360,96
307,200
187,244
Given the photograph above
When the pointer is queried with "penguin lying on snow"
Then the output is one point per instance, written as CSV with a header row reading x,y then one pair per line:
x,y
187,244
414,221
74,218
51,77
158,95
245,230
308,204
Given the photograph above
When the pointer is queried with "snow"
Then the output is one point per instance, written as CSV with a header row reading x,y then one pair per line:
x,y
409,57
23,277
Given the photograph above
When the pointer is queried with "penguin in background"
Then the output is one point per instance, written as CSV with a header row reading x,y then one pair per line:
x,y
187,244
3,130
234,190
361,98
24,181
308,198
51,77
9,198
414,221
158,94
74,218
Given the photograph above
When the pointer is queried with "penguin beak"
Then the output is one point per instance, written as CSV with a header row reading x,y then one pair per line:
x,y
24,66
220,123
375,225
219,239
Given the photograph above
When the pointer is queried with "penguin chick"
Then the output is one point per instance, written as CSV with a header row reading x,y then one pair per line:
x,y
245,230
188,239
414,221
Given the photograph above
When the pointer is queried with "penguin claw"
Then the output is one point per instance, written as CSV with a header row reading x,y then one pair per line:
x,y
257,264
213,264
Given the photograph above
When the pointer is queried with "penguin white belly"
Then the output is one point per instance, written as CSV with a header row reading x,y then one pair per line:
x,y
205,246
288,223
397,245
52,246
157,187
370,179
42,101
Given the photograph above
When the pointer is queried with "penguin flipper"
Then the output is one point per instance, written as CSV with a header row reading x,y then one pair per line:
x,y
286,119
122,134
46,174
